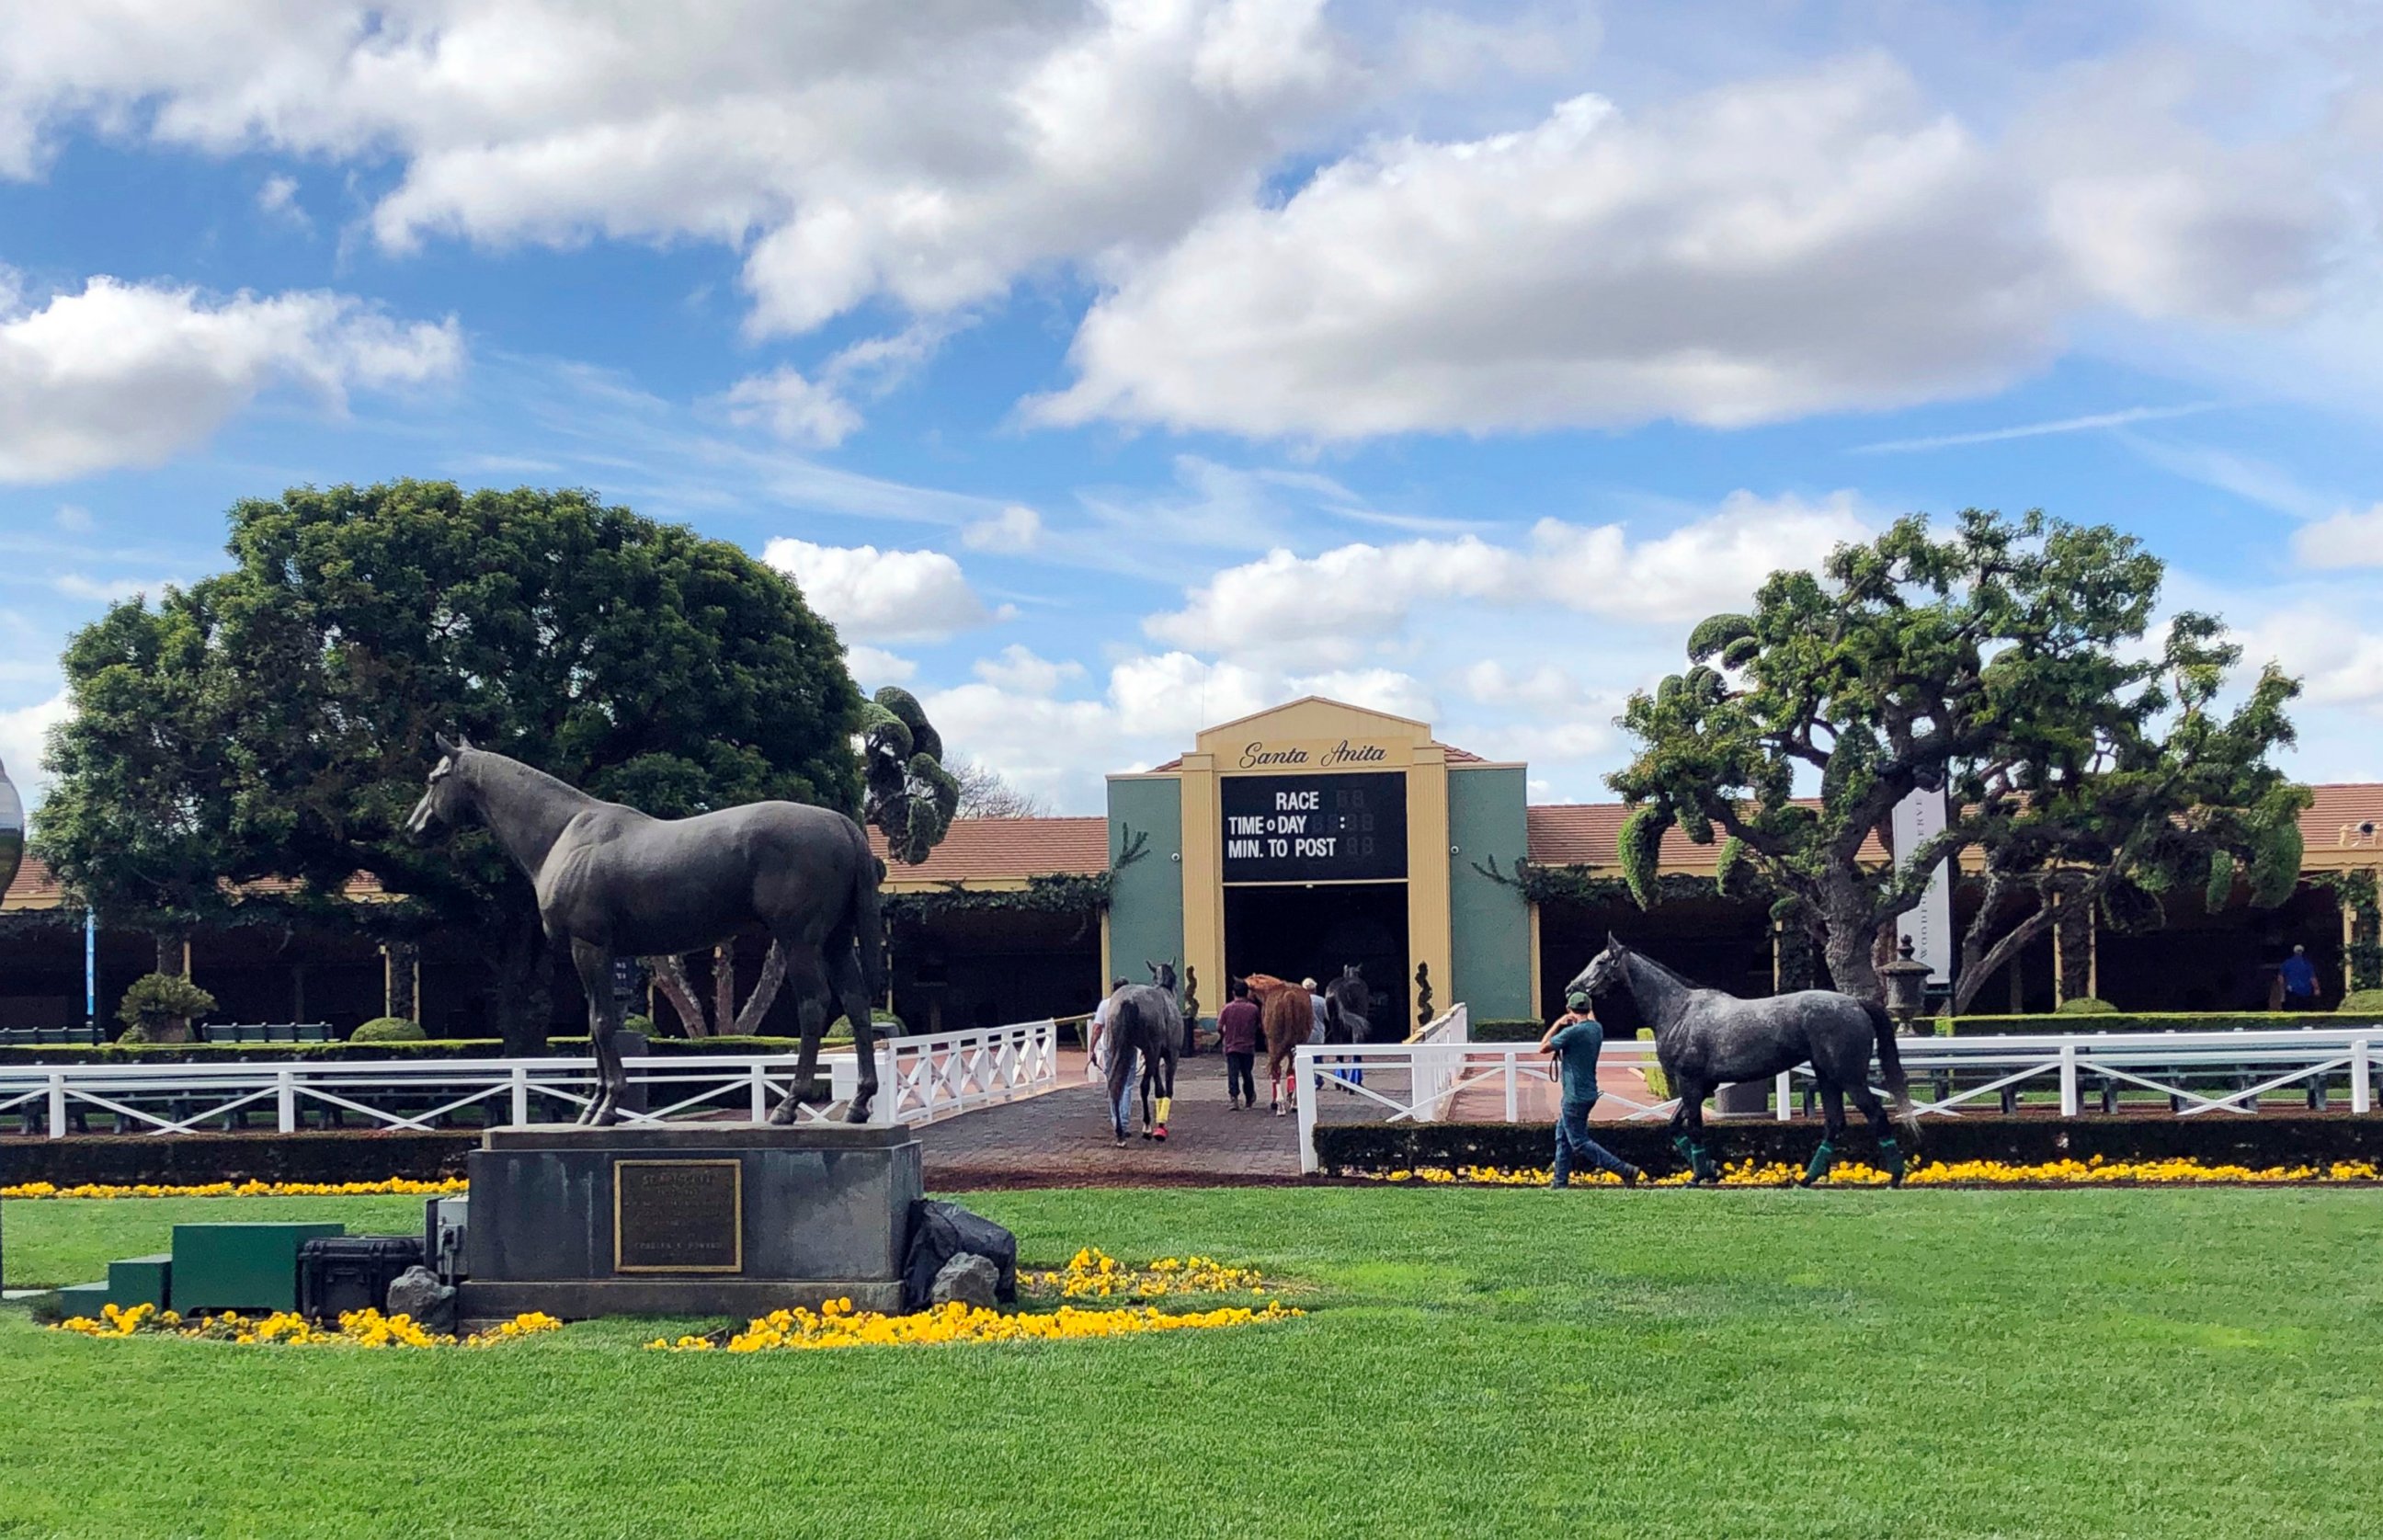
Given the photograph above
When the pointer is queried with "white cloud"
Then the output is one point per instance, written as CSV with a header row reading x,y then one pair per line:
x,y
127,374
24,734
792,407
1014,530
874,666
1019,667
1827,240
77,586
2349,538
1492,681
277,198
880,596
930,158
74,518
1336,605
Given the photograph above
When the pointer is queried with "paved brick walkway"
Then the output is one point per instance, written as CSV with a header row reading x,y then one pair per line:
x,y
1063,1139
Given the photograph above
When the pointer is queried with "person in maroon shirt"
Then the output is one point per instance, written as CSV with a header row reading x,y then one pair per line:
x,y
1237,1034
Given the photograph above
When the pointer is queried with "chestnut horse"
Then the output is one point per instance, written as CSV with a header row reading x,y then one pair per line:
x,y
1288,1018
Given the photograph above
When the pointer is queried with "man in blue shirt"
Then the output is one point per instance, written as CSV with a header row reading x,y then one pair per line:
x,y
2300,982
1574,1039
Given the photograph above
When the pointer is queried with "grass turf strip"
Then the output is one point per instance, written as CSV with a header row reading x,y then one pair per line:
x,y
1746,1364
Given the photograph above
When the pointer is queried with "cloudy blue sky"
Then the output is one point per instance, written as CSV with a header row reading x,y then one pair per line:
x,y
1107,369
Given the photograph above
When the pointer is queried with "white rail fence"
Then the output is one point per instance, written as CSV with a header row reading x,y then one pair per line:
x,y
918,1078
2193,1074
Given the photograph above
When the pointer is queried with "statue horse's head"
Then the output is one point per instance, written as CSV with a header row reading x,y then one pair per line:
x,y
1604,971
445,799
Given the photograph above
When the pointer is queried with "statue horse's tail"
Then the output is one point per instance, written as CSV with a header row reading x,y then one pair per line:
x,y
1890,1063
868,921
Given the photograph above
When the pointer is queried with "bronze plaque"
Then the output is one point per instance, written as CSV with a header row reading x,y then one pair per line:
x,y
678,1216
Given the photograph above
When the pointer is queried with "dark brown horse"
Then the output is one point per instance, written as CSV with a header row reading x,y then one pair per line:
x,y
613,881
1286,1018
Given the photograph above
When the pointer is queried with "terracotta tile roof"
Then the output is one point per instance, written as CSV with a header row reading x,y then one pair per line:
x,y
2332,819
992,848
36,886
1587,833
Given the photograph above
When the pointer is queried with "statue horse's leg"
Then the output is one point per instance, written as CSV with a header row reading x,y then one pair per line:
x,y
1889,1154
852,993
595,966
1833,1114
808,979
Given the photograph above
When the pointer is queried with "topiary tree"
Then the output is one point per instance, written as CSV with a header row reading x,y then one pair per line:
x,y
2085,1004
911,797
2004,666
160,1007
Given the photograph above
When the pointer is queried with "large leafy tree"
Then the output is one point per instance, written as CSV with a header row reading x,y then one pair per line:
x,y
2007,666
630,658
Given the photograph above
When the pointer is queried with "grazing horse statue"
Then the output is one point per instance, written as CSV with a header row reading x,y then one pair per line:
x,y
1348,1018
1705,1039
1145,1025
613,881
1288,1018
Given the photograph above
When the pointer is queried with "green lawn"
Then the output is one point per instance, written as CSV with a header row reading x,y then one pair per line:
x,y
1647,1364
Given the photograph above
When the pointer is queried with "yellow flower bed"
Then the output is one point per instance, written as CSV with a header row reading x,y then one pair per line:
x,y
444,1187
2092,1172
837,1324
1092,1274
357,1328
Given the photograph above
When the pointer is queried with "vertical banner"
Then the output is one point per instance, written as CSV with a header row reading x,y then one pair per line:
x,y
1919,818
91,966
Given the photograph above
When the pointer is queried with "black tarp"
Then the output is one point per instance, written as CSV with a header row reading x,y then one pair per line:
x,y
940,1231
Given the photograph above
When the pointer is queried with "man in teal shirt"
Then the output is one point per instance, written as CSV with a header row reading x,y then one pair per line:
x,y
1574,1039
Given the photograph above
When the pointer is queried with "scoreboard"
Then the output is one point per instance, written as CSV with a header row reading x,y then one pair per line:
x,y
1315,828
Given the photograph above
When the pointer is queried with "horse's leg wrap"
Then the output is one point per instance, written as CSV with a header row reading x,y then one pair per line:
x,y
1823,1158
1700,1164
1166,1104
1892,1155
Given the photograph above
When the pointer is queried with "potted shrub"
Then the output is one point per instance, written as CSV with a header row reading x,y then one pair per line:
x,y
159,1008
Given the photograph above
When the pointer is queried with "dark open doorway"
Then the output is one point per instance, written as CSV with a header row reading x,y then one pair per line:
x,y
1310,933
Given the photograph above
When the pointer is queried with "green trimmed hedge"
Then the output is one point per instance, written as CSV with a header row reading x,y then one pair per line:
x,y
129,1160
2270,1138
1507,1031
436,1048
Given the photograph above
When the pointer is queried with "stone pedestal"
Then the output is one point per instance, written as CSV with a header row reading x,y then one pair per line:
x,y
691,1219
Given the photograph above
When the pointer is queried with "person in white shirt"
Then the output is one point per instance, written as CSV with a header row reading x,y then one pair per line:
x,y
1094,1061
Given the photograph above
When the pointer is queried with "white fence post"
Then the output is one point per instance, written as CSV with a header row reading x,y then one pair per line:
x,y
521,1095
285,1100
2067,1080
1302,1060
57,1107
1784,1092
1513,1099
2361,1076
758,1085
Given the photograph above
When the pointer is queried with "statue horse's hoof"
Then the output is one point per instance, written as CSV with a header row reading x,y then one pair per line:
x,y
858,1111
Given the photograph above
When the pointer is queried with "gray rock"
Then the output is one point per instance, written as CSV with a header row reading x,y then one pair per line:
x,y
418,1293
969,1278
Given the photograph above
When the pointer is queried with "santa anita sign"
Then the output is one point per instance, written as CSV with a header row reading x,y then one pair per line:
x,y
1259,755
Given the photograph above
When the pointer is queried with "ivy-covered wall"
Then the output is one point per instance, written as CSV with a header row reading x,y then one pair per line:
x,y
1489,921
1146,893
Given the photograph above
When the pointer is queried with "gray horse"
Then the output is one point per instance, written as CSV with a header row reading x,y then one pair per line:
x,y
1348,1017
1705,1039
1145,1025
612,881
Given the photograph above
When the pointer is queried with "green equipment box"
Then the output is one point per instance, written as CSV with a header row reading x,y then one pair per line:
x,y
141,1281
240,1266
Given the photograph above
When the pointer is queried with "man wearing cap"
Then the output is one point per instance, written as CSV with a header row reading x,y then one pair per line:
x,y
1573,1041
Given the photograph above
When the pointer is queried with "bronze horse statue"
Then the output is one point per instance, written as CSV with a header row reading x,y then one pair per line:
x,y
613,881
1705,1039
